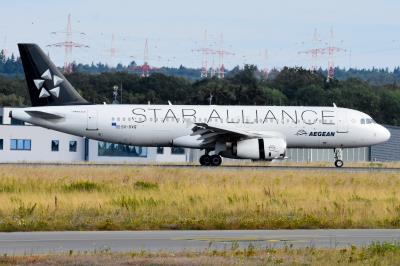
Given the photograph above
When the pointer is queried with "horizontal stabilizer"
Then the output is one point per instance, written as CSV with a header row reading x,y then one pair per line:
x,y
44,115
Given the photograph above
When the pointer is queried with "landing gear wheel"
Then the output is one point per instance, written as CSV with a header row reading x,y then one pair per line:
x,y
338,163
205,160
338,157
216,160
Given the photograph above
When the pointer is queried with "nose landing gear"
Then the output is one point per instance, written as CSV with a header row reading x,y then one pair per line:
x,y
338,157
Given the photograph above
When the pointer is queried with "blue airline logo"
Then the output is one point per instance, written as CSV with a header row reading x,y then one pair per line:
x,y
302,132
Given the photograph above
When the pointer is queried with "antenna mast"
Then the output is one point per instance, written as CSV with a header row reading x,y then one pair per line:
x,y
68,44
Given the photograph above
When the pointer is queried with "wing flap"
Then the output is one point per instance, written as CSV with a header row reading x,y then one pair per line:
x,y
212,133
234,131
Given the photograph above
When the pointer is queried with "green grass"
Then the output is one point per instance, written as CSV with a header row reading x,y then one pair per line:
x,y
374,254
129,198
81,186
145,185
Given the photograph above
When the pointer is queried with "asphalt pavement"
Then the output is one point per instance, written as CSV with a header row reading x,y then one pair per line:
x,y
27,243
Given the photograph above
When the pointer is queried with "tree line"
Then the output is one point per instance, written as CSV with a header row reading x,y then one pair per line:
x,y
11,66
289,86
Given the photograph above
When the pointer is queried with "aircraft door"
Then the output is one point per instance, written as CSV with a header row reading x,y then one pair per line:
x,y
92,120
342,123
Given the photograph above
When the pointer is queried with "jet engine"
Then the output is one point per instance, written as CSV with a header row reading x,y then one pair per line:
x,y
256,149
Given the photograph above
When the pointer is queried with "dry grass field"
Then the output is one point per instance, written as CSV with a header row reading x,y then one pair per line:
x,y
375,254
125,197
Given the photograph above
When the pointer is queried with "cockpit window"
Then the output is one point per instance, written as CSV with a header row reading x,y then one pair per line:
x,y
367,121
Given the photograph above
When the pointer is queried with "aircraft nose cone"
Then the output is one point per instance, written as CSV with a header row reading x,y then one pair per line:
x,y
385,134
382,134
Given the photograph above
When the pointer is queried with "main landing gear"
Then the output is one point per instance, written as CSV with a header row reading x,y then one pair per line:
x,y
338,157
210,160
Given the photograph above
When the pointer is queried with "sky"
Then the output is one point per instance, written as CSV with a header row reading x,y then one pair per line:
x,y
367,31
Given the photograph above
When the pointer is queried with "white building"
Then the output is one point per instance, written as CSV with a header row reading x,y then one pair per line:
x,y
27,143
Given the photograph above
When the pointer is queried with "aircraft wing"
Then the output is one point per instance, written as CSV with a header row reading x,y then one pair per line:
x,y
212,133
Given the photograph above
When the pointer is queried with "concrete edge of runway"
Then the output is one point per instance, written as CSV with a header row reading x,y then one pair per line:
x,y
229,166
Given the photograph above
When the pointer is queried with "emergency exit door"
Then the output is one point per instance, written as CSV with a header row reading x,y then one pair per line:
x,y
92,120
342,121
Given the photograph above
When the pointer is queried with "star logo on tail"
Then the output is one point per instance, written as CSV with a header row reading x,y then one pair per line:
x,y
44,91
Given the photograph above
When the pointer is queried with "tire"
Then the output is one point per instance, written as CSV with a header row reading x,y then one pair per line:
x,y
215,160
338,163
205,160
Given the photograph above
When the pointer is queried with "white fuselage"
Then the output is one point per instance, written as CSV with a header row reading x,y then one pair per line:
x,y
168,125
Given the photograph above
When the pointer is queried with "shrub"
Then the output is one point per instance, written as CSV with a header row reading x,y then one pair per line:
x,y
82,186
132,203
145,185
381,248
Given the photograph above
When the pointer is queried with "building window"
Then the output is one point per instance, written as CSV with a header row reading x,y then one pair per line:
x,y
27,144
13,144
120,150
55,145
1,144
17,122
72,145
177,150
1,120
160,150
20,144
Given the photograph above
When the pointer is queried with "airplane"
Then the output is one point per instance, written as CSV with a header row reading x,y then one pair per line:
x,y
238,132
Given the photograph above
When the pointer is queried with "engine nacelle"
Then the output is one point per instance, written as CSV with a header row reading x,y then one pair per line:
x,y
260,149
